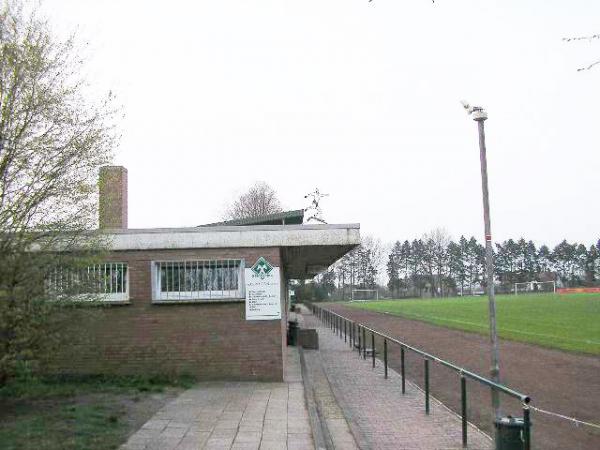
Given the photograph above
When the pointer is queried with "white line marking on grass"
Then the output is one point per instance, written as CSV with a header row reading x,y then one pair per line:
x,y
485,327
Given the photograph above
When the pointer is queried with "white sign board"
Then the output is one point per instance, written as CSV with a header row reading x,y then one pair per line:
x,y
263,291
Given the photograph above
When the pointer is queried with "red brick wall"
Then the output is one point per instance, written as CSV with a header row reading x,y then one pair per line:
x,y
207,340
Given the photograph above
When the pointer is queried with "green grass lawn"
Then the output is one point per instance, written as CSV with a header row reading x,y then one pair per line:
x,y
86,413
568,322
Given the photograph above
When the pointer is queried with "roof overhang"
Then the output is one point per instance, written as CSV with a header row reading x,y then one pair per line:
x,y
306,249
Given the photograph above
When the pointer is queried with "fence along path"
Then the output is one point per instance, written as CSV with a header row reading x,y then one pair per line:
x,y
379,414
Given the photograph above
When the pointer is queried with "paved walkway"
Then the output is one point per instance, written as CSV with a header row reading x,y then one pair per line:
x,y
235,416
379,415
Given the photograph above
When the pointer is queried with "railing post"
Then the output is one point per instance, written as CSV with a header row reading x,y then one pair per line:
x,y
385,362
364,343
526,427
345,330
463,400
402,372
426,386
359,340
373,347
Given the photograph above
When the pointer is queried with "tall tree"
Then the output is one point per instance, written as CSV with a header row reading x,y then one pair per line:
x,y
439,240
526,260
456,262
508,263
53,140
544,259
393,269
564,257
475,263
591,265
260,199
417,266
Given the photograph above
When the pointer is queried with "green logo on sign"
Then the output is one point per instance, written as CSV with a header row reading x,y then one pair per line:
x,y
261,268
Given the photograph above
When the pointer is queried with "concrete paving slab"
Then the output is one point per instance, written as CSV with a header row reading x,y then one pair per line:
x,y
232,415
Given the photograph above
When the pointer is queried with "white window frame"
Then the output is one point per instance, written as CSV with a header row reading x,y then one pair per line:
x,y
195,295
111,296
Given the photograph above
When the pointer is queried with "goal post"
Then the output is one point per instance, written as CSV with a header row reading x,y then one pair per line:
x,y
365,294
534,286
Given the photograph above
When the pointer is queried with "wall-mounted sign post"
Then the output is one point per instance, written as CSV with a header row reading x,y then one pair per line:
x,y
263,291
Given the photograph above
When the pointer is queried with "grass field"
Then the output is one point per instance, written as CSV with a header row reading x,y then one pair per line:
x,y
567,322
78,414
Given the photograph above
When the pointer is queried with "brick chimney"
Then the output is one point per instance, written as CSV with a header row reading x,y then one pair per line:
x,y
113,197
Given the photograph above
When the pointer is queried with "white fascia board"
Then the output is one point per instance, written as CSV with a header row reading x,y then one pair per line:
x,y
232,237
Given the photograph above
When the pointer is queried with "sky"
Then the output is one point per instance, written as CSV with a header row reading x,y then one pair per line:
x,y
360,99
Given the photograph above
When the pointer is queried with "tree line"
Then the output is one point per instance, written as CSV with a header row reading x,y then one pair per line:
x,y
437,266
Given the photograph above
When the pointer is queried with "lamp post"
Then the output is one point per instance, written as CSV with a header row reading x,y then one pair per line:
x,y
480,115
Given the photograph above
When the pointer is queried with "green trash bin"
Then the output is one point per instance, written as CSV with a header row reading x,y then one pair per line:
x,y
510,433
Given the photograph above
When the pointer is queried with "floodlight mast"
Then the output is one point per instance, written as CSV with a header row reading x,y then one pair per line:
x,y
480,115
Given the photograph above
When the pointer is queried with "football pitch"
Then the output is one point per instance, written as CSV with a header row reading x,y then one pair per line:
x,y
567,322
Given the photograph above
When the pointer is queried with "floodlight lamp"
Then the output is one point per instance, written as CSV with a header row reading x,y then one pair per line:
x,y
477,112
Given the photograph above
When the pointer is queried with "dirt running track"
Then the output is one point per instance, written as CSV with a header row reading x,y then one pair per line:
x,y
558,381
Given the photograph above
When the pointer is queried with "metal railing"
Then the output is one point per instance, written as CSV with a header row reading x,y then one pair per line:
x,y
355,334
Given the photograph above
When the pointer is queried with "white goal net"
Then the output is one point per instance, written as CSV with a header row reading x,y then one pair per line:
x,y
532,287
365,294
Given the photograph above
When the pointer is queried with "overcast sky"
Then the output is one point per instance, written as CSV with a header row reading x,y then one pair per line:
x,y
358,99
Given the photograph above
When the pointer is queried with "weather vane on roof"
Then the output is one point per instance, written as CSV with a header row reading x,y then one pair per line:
x,y
317,213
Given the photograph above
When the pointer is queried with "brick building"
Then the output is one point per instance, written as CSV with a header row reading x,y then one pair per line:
x,y
178,296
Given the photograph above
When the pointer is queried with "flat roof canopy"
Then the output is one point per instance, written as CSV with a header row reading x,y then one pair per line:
x,y
306,249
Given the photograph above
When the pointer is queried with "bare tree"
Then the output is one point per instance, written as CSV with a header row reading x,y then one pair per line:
x,y
360,268
259,200
588,38
52,143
